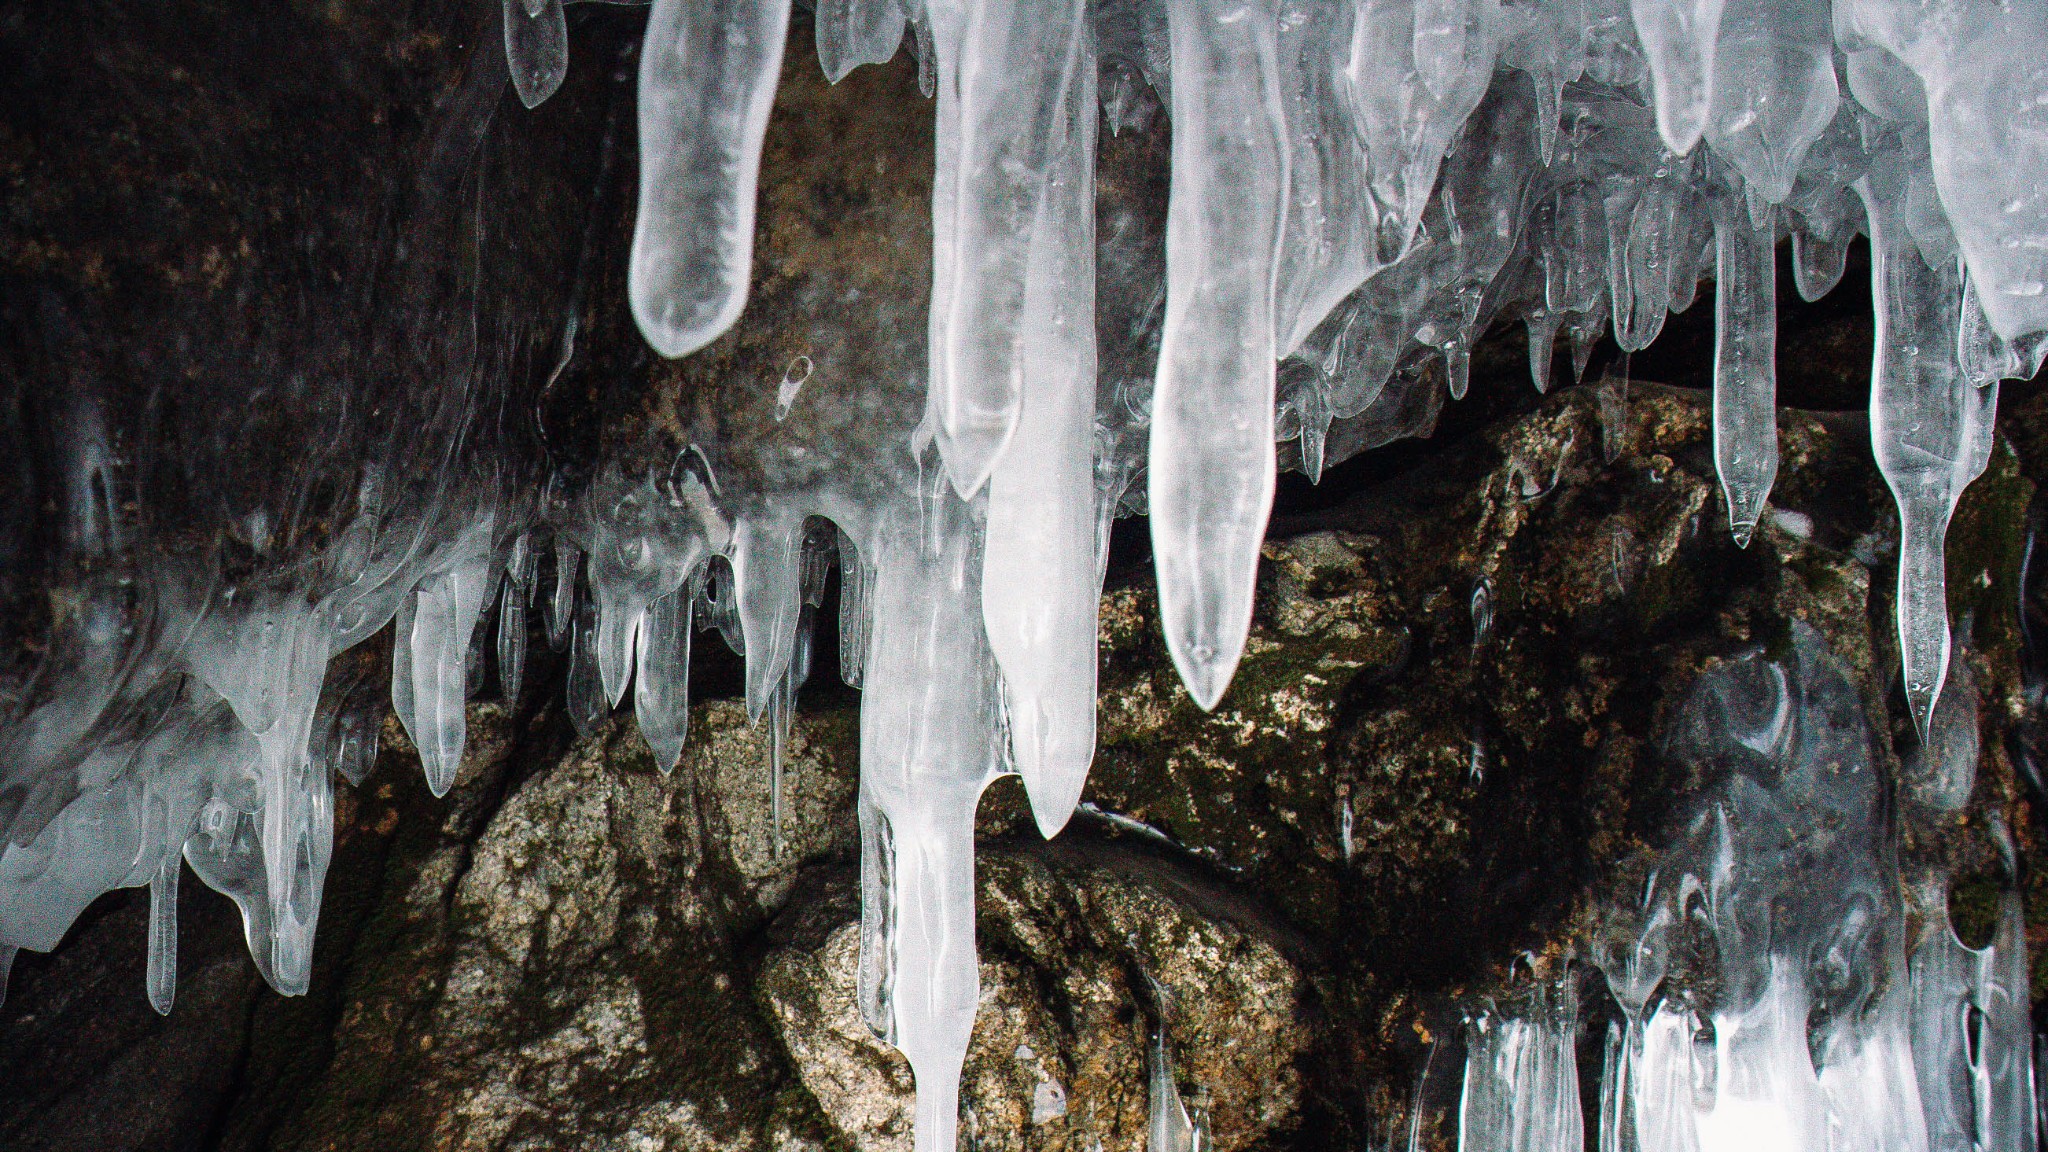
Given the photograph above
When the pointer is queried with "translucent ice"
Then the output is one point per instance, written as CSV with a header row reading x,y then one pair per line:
x,y
1039,586
1745,369
856,32
1930,426
1015,81
929,744
537,49
661,685
708,70
1680,38
1212,470
1522,1079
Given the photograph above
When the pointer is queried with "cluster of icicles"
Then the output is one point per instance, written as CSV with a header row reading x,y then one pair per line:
x,y
1767,992
1359,188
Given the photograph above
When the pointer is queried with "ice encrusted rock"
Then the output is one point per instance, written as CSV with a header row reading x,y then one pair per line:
x,y
1357,191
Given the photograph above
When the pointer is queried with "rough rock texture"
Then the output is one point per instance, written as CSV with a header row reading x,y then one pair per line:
x,y
573,951
1440,754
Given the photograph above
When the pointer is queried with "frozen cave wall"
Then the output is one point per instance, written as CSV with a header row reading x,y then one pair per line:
x,y
248,247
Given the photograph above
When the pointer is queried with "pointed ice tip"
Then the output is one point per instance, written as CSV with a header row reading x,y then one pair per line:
x,y
535,94
440,778
971,459
1742,533
160,1000
1206,673
1920,701
1054,796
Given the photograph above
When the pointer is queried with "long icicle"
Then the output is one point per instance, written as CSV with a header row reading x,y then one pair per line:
x,y
1929,426
1039,588
928,748
1211,457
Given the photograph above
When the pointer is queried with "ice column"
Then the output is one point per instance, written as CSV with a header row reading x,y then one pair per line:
x,y
929,744
708,70
1522,1079
1211,456
1039,586
1971,1036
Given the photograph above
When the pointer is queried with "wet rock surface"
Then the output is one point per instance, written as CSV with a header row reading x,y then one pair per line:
x,y
1413,783
1441,748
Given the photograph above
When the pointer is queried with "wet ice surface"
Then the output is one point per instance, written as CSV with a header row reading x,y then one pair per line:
x,y
1358,189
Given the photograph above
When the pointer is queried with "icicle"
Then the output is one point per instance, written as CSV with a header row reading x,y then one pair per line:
x,y
1008,98
445,612
1773,90
1817,264
708,70
1168,1127
560,608
855,616
1039,587
1941,772
1745,368
1542,327
661,682
352,749
855,32
1987,357
766,569
1930,427
781,710
1679,38
876,978
618,635
511,640
536,49
1313,413
1211,469
162,980
929,744
1617,1086
7,955
587,705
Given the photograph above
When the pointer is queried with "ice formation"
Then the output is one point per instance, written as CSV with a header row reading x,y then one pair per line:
x,y
1359,188
1766,994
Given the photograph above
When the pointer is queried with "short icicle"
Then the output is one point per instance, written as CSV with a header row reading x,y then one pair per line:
x,y
708,71
162,978
536,49
661,679
1745,366
767,585
446,610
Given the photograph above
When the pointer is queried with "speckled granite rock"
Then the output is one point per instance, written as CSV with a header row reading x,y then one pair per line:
x,y
1086,951
573,951
1441,747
